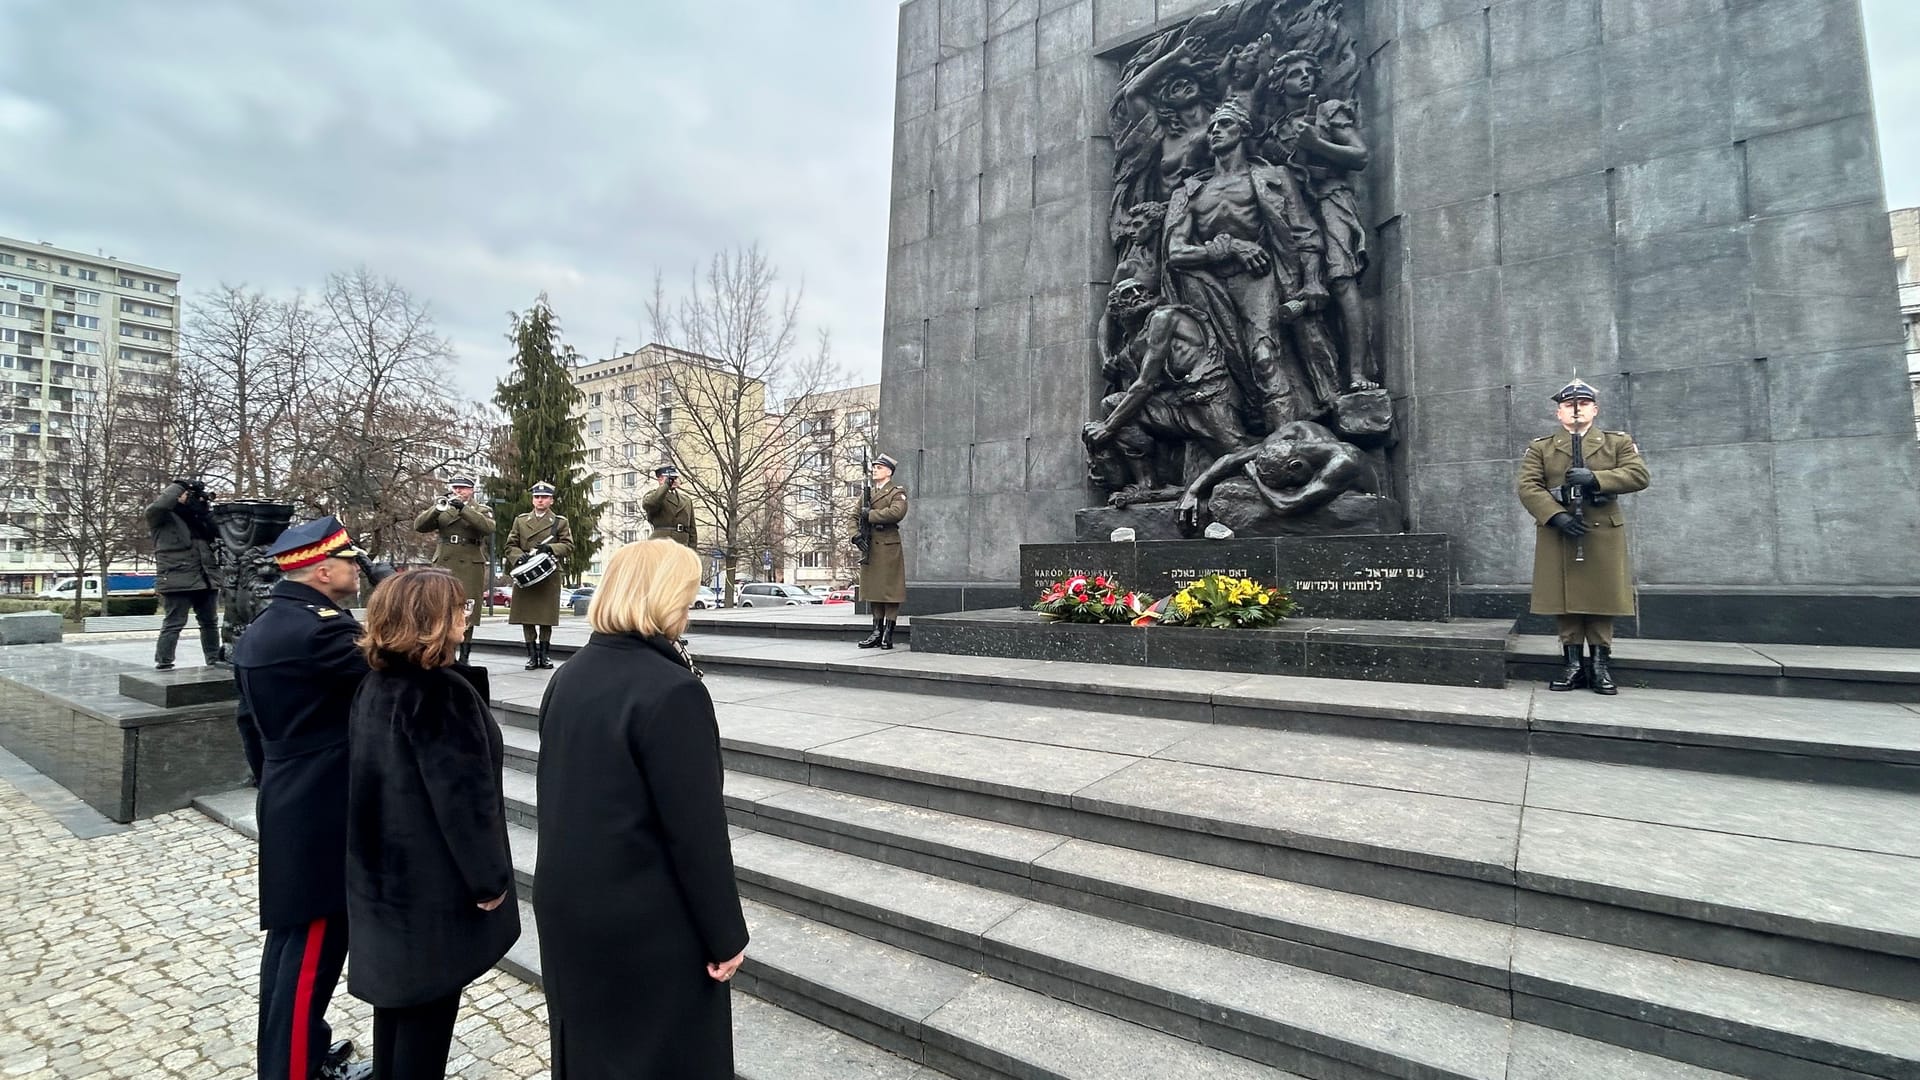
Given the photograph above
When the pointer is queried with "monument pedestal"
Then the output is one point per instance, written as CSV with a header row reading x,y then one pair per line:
x,y
1367,607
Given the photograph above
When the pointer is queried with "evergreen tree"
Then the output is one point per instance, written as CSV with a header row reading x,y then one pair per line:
x,y
544,441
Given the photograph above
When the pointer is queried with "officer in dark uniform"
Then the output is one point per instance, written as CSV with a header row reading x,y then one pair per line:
x,y
297,668
1571,483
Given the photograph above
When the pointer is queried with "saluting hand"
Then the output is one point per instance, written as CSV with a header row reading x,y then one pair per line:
x,y
724,970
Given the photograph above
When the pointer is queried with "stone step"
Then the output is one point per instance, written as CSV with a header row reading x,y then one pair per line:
x,y
859,996
1818,671
937,882
1854,742
1785,878
1815,671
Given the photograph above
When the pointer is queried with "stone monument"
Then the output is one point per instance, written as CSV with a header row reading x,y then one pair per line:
x,y
247,529
1314,266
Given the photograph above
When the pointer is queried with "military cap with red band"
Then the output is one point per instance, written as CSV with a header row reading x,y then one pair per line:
x,y
311,542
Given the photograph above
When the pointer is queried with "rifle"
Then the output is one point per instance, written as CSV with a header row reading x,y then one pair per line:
x,y
863,539
1577,497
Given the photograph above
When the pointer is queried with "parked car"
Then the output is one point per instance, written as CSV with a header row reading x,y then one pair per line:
x,y
567,595
502,594
774,594
705,598
117,585
841,596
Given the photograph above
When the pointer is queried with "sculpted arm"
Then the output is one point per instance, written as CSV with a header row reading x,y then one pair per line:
x,y
1152,370
1137,87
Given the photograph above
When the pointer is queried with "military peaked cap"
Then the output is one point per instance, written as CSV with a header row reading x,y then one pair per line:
x,y
312,541
1577,390
542,488
887,460
461,480
666,470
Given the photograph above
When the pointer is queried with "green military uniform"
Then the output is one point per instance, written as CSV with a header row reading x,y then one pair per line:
x,y
1584,581
538,605
1601,584
462,549
883,580
670,512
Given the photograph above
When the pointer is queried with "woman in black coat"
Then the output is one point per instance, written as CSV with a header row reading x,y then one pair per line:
x,y
429,875
640,922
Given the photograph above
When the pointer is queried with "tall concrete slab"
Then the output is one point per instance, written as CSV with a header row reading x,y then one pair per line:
x,y
1679,200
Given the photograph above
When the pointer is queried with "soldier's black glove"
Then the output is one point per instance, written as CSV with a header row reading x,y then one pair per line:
x,y
1571,527
545,549
457,504
1583,478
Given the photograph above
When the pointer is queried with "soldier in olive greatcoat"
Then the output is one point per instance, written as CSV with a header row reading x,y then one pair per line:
x,y
670,510
883,574
464,526
1581,572
536,608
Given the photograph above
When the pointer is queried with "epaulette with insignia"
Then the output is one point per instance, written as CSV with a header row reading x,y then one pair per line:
x,y
323,612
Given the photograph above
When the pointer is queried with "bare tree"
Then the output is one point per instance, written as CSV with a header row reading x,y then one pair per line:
x,y
391,426
243,363
732,416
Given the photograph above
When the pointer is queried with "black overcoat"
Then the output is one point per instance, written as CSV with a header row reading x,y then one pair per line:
x,y
637,893
426,838
297,670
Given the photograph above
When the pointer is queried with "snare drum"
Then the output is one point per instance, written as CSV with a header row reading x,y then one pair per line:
x,y
534,569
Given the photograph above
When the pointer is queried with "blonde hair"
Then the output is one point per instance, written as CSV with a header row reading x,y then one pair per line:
x,y
418,618
646,590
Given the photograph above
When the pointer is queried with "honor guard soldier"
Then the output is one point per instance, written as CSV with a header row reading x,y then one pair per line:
x,y
536,580
670,510
1571,482
464,526
297,668
883,568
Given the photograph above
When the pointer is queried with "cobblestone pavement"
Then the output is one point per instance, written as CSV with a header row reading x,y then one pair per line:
x,y
135,954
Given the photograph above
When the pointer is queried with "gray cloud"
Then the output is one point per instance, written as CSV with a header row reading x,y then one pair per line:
x,y
481,151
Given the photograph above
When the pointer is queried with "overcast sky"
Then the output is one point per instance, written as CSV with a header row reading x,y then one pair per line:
x,y
481,151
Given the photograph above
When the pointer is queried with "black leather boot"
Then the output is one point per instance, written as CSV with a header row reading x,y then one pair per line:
x,y
1574,675
466,650
1603,670
872,641
546,661
886,634
533,656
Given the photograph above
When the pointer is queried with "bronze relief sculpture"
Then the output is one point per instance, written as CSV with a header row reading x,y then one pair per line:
x,y
1237,319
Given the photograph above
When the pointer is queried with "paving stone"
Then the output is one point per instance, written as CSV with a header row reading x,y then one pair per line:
x,y
1050,774
1827,894
1544,1054
1081,728
1871,730
893,895
773,1044
1398,701
1307,1008
1465,837
1008,848
1859,818
1837,1027
1492,775
1073,1043
780,732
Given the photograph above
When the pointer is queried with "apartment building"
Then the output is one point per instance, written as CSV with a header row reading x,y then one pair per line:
x,y
837,431
66,319
635,421
1906,265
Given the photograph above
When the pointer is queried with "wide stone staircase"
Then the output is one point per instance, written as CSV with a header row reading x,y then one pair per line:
x,y
991,868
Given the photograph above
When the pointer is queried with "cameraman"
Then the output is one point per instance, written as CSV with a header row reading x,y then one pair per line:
x,y
184,569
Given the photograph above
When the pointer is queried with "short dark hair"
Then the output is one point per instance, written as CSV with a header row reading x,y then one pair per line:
x,y
417,617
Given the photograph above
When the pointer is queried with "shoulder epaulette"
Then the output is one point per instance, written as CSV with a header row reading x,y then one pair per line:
x,y
323,611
